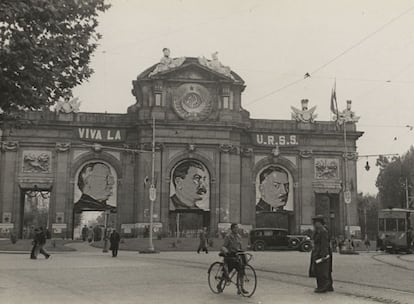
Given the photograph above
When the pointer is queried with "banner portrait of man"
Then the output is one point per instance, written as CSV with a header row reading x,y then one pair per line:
x,y
190,186
274,189
95,187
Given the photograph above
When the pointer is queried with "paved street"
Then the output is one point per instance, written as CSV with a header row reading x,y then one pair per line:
x,y
89,276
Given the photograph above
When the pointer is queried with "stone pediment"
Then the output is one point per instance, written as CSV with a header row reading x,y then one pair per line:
x,y
189,69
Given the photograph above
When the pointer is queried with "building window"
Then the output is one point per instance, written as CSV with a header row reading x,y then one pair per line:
x,y
226,102
158,101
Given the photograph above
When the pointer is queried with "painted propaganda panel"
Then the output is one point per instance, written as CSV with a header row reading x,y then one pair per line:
x,y
274,189
95,186
190,186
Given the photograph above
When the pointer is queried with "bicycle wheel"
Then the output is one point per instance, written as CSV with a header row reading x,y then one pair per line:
x,y
216,280
247,281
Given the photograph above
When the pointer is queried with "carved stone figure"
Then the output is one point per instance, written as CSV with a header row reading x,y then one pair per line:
x,y
9,146
167,63
68,105
305,115
347,115
305,154
62,147
36,162
326,168
215,65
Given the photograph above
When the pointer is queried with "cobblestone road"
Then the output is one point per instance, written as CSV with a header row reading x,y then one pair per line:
x,y
89,276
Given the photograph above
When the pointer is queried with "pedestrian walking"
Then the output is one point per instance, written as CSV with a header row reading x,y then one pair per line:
x,y
114,239
84,233
203,241
42,242
321,262
35,243
367,243
90,234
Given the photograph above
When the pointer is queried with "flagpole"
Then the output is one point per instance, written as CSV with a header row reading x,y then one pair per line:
x,y
348,228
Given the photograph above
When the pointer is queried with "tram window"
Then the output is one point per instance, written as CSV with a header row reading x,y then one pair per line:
x,y
401,225
381,224
391,224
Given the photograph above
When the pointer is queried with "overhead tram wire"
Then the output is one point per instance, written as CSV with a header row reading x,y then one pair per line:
x,y
186,27
336,57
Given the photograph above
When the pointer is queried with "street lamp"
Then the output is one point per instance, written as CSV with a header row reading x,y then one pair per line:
x,y
152,193
105,245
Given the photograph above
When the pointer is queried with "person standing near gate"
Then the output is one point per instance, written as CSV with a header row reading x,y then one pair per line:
x,y
320,256
114,239
203,241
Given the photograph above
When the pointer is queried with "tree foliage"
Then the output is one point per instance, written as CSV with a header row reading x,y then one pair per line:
x,y
45,49
392,178
368,206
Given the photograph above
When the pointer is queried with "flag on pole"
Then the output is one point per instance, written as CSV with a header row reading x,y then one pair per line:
x,y
334,103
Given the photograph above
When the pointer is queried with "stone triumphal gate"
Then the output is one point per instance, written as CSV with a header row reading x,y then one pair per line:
x,y
213,165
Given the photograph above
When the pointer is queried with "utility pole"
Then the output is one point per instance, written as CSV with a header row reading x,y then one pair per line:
x,y
347,194
153,191
407,196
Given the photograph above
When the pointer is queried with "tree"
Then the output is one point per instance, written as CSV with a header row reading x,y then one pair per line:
x,y
392,179
368,214
45,50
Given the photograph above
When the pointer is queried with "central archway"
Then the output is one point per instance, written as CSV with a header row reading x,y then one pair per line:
x,y
189,198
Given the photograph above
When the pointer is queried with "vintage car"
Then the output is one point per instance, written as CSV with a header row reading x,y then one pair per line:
x,y
278,239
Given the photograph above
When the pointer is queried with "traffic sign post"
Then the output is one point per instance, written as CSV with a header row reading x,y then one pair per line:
x,y
347,197
152,193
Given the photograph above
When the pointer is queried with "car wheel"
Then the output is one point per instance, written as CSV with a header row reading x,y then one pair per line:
x,y
306,247
259,246
293,243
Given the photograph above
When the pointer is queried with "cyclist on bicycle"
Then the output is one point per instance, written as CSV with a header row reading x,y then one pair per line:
x,y
232,245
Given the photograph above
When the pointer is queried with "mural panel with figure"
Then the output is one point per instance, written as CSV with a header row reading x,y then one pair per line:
x,y
95,187
274,189
190,186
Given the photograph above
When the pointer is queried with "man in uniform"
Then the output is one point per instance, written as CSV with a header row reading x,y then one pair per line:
x,y
232,245
320,256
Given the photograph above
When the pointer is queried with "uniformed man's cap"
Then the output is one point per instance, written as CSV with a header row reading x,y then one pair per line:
x,y
319,218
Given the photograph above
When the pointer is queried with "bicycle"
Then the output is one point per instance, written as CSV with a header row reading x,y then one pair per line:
x,y
246,281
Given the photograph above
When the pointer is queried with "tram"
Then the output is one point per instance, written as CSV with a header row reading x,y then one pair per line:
x,y
395,229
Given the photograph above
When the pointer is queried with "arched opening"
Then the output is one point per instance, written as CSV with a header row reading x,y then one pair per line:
x,y
95,200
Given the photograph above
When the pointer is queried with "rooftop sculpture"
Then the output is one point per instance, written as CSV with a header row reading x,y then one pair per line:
x,y
215,65
347,115
68,105
305,115
167,63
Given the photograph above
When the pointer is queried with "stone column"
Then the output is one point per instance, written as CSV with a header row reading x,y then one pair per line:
x,y
225,183
306,208
62,209
9,167
234,186
247,201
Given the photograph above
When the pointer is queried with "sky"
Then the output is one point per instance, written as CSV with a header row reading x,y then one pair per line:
x,y
366,46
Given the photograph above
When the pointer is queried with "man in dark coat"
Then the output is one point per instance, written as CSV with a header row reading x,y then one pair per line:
x,y
320,256
35,243
41,240
114,239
